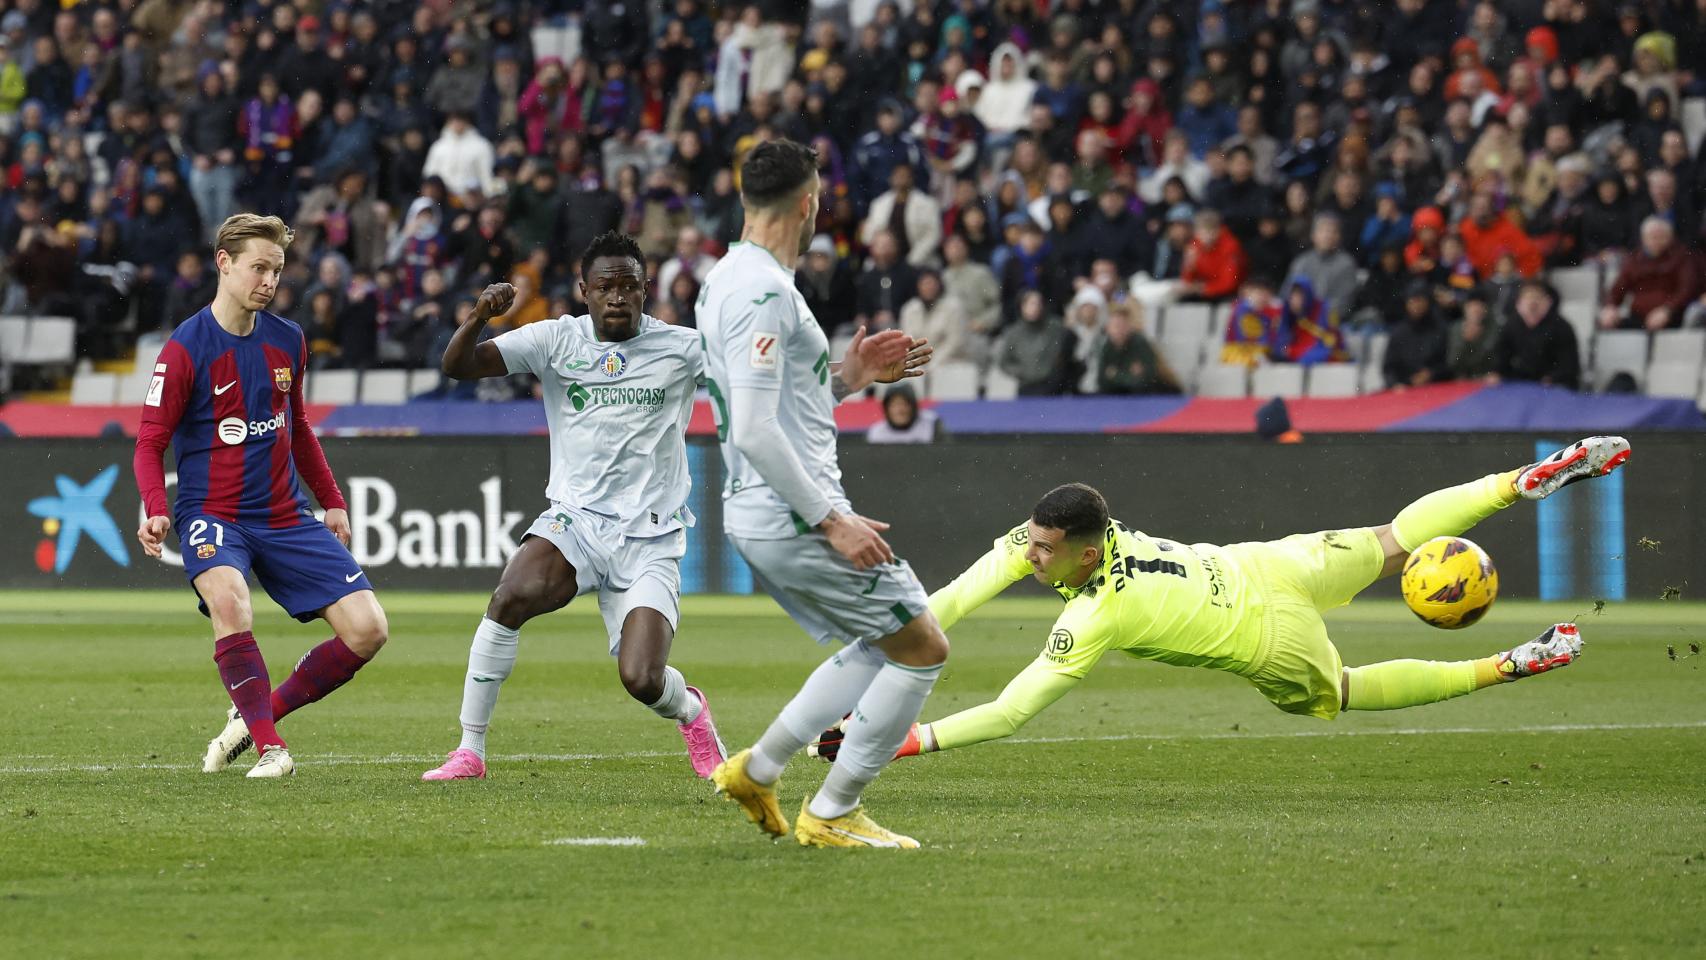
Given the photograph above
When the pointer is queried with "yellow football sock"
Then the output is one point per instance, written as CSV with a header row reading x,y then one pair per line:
x,y
1452,511
1395,684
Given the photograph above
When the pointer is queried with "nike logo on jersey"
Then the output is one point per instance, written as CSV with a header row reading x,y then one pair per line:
x,y
761,301
220,391
241,682
352,577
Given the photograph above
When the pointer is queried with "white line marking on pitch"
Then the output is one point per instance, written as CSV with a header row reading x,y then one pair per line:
x,y
596,842
336,760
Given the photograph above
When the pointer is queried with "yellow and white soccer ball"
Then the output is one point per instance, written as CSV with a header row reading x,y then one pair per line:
x,y
1450,582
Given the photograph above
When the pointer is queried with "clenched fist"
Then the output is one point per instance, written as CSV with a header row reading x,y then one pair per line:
x,y
495,301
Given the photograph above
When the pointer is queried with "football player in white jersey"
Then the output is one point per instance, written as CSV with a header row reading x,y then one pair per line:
x,y
618,388
770,375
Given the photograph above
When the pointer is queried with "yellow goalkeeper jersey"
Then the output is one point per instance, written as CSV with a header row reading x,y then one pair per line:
x,y
1190,605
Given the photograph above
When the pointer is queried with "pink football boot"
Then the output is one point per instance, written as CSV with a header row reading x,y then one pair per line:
x,y
460,765
704,748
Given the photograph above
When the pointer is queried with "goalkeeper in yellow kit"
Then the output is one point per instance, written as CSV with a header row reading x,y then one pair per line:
x,y
1253,609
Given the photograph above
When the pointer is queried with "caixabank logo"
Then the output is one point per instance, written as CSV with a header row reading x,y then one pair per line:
x,y
78,511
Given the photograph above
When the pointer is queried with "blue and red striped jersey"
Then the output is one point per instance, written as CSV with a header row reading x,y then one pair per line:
x,y
233,406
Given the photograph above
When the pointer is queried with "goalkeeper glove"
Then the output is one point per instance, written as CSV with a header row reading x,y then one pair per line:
x,y
828,743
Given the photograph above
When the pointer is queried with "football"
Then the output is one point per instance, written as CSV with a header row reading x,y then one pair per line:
x,y
1450,582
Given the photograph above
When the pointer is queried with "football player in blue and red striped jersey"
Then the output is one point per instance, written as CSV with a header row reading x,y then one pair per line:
x,y
227,394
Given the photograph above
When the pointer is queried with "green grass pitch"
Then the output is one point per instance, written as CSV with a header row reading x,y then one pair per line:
x,y
1154,812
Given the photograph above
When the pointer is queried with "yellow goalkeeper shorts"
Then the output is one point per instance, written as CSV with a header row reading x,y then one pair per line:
x,y
1296,666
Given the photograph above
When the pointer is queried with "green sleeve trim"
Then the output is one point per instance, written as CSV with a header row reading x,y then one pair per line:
x,y
902,614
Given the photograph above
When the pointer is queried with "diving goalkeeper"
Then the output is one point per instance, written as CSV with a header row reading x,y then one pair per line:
x,y
1253,609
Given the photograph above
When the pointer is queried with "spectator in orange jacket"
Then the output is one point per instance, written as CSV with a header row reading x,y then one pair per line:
x,y
1488,234
1214,262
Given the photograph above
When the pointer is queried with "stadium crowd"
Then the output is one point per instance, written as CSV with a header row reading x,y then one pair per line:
x,y
1025,182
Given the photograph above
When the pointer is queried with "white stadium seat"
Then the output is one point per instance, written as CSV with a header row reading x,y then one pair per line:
x,y
1372,379
1666,379
999,386
385,387
1333,380
952,380
423,380
1223,380
1374,350
51,340
1583,317
1188,321
14,333
1679,346
1277,380
1619,351
1577,284
1182,355
133,387
94,389
332,386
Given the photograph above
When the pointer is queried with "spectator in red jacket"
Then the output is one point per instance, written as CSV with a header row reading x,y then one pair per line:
x,y
1488,234
1214,262
1658,280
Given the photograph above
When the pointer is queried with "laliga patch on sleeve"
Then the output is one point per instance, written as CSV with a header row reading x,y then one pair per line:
x,y
155,387
766,351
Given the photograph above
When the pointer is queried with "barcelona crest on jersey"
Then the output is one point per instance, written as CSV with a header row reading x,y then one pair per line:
x,y
281,376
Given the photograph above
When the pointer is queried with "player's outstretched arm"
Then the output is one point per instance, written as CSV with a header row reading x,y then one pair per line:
x,y
1026,695
887,357
466,358
999,568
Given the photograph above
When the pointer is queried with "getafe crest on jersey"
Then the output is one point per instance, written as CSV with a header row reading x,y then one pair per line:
x,y
613,364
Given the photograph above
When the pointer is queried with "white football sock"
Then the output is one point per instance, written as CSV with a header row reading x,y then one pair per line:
x,y
676,703
490,660
827,696
876,730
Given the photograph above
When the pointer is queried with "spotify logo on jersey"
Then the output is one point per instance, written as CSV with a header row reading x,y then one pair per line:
x,y
233,430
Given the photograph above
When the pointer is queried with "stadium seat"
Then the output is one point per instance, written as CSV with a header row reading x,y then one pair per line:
x,y
999,386
1668,379
147,353
1694,123
1619,351
1372,379
423,380
1679,347
1583,317
1277,380
385,386
14,333
1184,356
51,340
133,388
1577,284
93,389
952,380
332,386
1223,380
838,346
1374,350
1188,321
1332,380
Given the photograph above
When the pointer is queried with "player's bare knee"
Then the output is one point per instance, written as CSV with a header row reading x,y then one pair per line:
x,y
230,613
920,644
643,681
366,640
510,606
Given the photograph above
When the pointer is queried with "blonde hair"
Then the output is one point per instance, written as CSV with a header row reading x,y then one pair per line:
x,y
239,229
